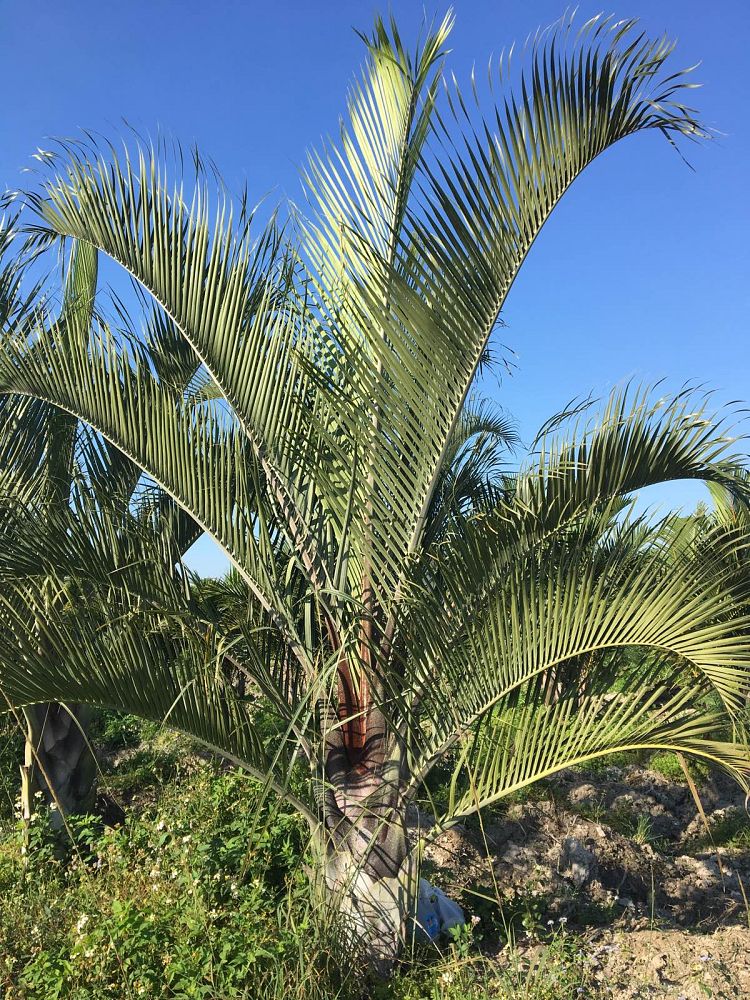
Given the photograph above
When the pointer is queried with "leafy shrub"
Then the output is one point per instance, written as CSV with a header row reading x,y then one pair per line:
x,y
202,894
116,730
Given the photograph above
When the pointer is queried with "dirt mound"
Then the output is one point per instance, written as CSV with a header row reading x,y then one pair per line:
x,y
637,964
618,846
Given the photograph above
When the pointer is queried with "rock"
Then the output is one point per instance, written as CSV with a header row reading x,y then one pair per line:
x,y
585,795
577,863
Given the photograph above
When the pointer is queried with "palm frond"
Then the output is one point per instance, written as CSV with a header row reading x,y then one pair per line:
x,y
411,315
555,604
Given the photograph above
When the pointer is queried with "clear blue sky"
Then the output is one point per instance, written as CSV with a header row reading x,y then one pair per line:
x,y
644,270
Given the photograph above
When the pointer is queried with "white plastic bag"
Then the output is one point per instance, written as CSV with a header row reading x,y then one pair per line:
x,y
436,912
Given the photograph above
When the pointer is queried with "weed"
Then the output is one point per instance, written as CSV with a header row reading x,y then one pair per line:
x,y
642,832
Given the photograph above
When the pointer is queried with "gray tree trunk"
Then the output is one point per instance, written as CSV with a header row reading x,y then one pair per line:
x,y
372,909
58,761
368,873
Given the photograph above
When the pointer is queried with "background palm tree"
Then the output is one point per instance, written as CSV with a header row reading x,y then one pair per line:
x,y
50,462
322,374
37,449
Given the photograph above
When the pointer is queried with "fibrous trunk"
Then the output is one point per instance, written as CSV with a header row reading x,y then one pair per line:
x,y
367,871
58,761
373,902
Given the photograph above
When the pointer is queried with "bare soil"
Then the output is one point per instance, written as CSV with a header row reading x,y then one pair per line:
x,y
621,858
637,964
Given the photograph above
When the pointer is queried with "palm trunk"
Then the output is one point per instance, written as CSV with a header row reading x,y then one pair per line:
x,y
372,906
366,862
58,761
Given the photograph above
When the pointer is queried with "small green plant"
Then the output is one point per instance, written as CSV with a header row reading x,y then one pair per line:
x,y
589,913
630,822
40,843
522,913
642,832
669,766
595,810
484,909
461,940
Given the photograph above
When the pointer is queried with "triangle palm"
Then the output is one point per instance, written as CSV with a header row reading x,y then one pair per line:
x,y
330,370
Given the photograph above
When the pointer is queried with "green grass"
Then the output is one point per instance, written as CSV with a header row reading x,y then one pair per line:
x,y
559,971
732,830
203,895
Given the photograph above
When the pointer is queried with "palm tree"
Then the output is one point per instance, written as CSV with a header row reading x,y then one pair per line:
x,y
37,447
330,366
720,530
51,462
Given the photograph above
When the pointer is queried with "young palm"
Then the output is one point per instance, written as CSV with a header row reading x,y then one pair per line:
x,y
330,378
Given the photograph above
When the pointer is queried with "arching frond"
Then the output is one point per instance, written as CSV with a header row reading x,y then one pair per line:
x,y
559,602
412,316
